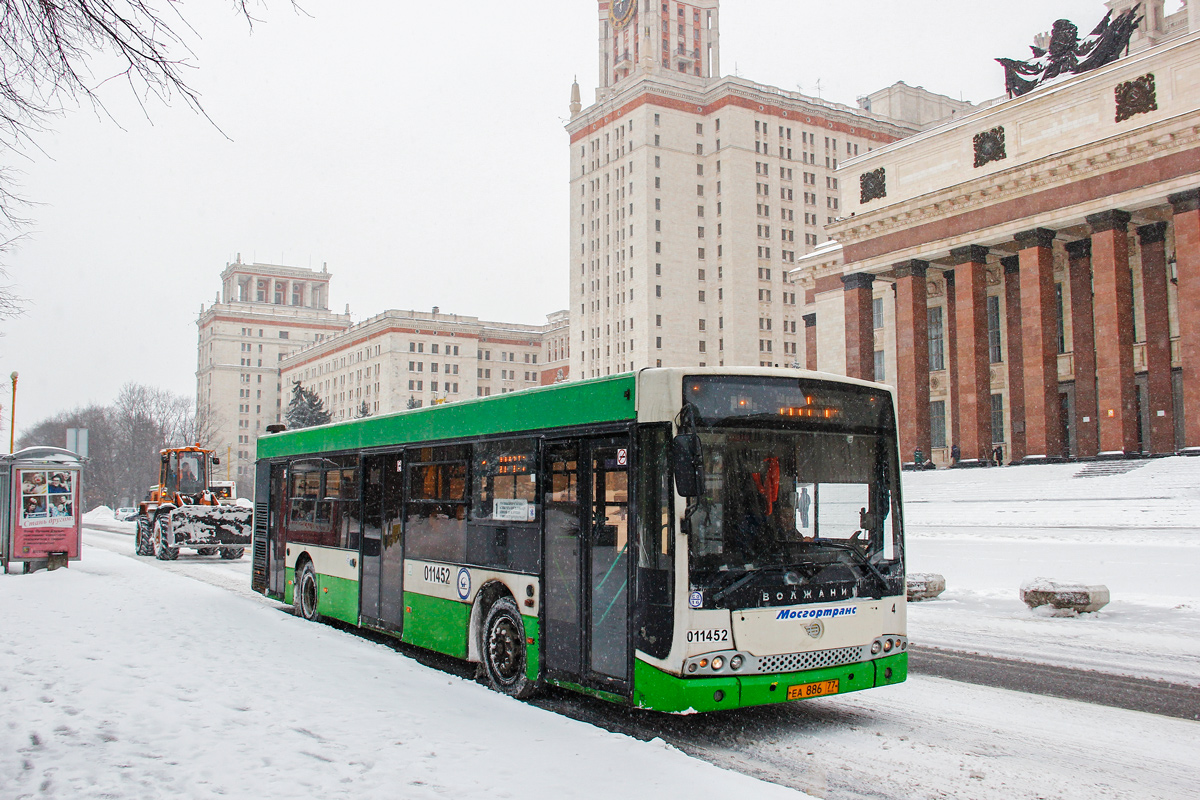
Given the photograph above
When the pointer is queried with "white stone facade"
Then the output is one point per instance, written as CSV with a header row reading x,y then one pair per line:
x,y
691,197
409,359
263,313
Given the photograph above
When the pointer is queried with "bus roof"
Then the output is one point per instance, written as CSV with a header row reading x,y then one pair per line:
x,y
598,400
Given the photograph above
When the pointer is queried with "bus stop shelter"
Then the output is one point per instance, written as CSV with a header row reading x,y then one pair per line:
x,y
40,515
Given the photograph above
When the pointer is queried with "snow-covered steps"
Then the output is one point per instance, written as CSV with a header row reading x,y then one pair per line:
x,y
1100,469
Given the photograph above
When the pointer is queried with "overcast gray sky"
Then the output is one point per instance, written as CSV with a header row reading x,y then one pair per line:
x,y
417,148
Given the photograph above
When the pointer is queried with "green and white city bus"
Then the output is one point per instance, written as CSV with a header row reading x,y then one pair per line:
x,y
674,539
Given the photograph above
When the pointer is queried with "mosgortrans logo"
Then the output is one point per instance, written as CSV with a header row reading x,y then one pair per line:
x,y
816,613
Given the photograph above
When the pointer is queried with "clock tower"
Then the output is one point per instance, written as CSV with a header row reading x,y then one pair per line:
x,y
658,37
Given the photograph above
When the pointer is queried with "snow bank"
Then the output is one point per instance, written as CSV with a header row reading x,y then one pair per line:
x,y
100,513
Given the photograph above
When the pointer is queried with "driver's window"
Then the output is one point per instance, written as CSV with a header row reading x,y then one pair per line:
x,y
842,510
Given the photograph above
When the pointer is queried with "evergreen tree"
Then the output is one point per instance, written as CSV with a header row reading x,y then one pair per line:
x,y
305,409
364,410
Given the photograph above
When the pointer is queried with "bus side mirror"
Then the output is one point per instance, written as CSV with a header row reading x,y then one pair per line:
x,y
216,460
164,457
686,463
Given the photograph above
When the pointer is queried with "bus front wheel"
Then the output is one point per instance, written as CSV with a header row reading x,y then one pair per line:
x,y
503,650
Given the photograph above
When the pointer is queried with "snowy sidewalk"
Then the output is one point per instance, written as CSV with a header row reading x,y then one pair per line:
x,y
121,680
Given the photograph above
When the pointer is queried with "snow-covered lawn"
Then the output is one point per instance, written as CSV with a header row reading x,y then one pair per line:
x,y
988,530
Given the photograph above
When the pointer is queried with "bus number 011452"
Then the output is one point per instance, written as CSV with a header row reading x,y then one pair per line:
x,y
709,635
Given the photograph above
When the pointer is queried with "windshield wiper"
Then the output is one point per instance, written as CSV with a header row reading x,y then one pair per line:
x,y
854,551
749,576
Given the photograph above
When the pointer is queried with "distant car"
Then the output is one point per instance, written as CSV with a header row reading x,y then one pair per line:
x,y
125,514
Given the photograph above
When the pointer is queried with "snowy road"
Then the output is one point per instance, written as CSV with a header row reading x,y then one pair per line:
x,y
233,576
928,738
934,738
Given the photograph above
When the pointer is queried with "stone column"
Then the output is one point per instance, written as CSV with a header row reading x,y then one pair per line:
x,y
1083,348
952,355
973,379
912,357
860,328
1186,206
1014,358
1116,393
810,341
1158,338
1039,329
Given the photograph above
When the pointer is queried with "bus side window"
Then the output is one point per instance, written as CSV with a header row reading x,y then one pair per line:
x,y
437,503
503,533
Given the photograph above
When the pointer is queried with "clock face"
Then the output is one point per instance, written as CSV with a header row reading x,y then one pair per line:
x,y
621,11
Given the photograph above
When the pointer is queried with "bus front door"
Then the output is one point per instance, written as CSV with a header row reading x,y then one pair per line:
x,y
587,561
381,595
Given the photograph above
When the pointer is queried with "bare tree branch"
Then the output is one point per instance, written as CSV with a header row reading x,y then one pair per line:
x,y
48,49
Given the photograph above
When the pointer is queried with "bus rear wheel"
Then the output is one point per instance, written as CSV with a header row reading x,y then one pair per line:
x,y
306,593
232,553
503,650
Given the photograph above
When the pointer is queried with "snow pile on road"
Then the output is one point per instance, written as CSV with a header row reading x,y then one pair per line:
x,y
122,680
104,518
988,531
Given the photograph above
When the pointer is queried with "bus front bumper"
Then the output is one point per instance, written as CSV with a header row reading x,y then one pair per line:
x,y
660,691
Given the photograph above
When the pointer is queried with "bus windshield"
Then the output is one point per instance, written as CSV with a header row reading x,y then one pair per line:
x,y
813,506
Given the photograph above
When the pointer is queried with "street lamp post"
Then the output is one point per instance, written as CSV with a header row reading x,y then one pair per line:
x,y
12,416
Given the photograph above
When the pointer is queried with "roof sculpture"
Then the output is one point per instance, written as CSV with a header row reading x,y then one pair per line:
x,y
1068,55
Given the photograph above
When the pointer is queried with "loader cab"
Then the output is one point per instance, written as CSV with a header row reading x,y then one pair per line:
x,y
185,471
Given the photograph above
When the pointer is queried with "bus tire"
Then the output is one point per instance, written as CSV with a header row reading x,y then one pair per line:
x,y
143,545
161,551
503,651
306,597
206,551
232,553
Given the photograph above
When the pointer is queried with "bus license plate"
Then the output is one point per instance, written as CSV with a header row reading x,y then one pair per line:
x,y
806,690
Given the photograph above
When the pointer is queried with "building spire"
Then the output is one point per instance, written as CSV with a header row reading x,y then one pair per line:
x,y
576,105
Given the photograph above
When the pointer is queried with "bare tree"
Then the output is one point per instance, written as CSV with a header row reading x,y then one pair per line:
x,y
50,52
124,440
99,482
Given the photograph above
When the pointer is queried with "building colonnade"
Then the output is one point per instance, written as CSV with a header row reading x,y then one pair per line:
x,y
1102,409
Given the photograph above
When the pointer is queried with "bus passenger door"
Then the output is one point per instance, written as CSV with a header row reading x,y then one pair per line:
x,y
608,559
381,587
563,640
372,535
587,560
391,555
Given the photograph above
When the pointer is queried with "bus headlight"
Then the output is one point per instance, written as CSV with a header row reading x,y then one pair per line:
x,y
735,663
875,648
717,663
887,646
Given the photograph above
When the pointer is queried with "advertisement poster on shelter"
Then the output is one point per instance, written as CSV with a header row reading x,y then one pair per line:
x,y
47,520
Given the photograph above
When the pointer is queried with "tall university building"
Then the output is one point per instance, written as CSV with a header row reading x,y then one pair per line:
x,y
693,194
